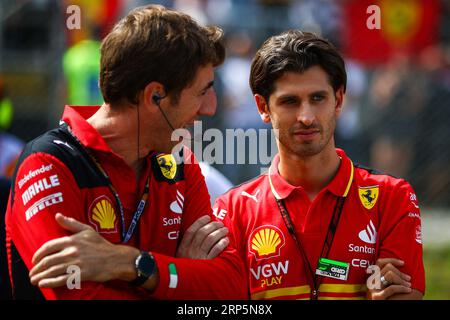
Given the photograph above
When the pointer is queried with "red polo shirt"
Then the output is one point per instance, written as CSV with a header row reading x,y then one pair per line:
x,y
49,180
380,218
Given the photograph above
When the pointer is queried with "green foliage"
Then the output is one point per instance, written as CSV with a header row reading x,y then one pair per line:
x,y
437,272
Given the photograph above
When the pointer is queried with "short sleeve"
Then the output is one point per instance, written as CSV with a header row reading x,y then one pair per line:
x,y
401,232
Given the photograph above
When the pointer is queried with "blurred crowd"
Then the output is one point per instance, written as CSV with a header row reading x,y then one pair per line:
x,y
397,106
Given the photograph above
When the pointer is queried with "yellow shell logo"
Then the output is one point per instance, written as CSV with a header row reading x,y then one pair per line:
x,y
368,196
103,214
168,165
266,242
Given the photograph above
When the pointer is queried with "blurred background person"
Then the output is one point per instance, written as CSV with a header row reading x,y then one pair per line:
x,y
81,59
238,105
81,64
10,145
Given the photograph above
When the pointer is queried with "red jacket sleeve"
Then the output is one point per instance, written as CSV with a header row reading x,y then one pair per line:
x,y
400,233
44,186
219,278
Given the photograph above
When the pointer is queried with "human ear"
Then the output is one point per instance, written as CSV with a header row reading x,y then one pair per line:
x,y
263,108
339,96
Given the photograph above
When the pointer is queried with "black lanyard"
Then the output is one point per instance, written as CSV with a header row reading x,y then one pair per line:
x,y
313,279
126,235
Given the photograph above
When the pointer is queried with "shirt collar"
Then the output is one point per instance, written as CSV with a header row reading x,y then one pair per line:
x,y
75,117
340,185
342,181
281,189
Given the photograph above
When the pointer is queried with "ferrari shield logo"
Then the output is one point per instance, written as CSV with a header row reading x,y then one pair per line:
x,y
368,196
401,20
168,165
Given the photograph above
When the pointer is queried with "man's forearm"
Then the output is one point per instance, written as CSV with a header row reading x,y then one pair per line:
x,y
121,263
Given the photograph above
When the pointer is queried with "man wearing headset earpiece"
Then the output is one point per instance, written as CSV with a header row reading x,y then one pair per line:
x,y
104,186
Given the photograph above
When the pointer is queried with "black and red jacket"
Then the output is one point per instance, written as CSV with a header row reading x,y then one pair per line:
x,y
56,174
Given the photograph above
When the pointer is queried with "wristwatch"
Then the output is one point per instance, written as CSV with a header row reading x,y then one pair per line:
x,y
145,267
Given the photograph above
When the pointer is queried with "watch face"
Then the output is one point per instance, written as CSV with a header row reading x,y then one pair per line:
x,y
146,264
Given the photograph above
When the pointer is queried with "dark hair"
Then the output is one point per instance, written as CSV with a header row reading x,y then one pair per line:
x,y
153,43
294,51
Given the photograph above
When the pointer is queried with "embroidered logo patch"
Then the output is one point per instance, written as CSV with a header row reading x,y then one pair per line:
x,y
368,196
168,165
266,242
103,215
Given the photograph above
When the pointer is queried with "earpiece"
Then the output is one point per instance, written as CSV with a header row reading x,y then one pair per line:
x,y
156,98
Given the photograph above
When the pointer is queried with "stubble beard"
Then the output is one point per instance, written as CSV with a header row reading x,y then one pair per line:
x,y
308,148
